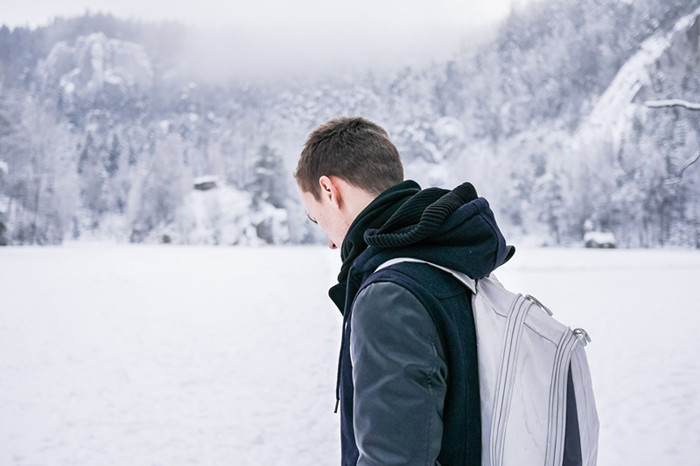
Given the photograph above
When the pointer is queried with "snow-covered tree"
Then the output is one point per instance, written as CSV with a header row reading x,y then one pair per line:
x,y
159,190
269,178
41,184
84,100
3,202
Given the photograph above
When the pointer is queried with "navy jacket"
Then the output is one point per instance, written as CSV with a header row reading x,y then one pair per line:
x,y
407,376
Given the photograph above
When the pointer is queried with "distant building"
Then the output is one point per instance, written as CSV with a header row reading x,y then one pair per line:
x,y
205,183
599,239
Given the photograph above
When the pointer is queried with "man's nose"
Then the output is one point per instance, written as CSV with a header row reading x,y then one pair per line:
x,y
331,244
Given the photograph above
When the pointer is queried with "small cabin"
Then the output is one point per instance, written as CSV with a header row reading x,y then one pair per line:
x,y
205,183
599,240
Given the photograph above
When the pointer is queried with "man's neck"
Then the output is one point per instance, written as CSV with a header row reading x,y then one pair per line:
x,y
354,199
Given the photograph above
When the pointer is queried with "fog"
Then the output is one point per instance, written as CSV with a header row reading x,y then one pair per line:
x,y
248,52
275,38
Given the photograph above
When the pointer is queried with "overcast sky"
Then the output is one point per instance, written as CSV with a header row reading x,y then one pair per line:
x,y
400,13
301,31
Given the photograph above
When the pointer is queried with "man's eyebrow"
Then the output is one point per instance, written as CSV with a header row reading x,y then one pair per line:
x,y
314,221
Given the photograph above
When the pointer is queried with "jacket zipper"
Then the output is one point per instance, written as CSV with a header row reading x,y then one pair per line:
x,y
340,361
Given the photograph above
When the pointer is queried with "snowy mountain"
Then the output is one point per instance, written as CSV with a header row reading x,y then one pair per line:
x,y
103,132
95,72
635,82
642,148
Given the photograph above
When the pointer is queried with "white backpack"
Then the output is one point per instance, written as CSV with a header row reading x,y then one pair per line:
x,y
530,365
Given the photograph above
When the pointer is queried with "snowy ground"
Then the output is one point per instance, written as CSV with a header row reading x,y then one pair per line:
x,y
158,355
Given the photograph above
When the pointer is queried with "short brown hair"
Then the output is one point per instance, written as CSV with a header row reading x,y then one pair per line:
x,y
353,149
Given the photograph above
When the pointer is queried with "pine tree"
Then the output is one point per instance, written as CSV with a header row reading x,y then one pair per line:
x,y
115,152
268,183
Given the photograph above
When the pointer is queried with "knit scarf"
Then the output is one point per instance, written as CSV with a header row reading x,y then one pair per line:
x,y
373,216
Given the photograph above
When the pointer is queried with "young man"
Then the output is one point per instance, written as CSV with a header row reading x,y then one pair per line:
x,y
407,377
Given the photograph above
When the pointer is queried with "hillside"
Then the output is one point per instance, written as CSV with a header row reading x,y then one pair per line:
x,y
103,133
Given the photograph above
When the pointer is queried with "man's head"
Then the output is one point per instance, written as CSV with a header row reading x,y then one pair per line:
x,y
345,164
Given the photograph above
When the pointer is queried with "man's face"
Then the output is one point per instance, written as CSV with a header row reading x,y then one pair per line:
x,y
328,216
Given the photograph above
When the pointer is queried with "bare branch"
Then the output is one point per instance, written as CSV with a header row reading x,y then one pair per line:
x,y
687,164
672,103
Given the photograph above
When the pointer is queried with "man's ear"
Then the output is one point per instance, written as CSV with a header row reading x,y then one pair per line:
x,y
330,190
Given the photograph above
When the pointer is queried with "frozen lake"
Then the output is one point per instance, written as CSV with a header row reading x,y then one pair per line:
x,y
166,355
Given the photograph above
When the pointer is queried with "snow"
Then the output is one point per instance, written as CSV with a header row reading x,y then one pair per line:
x,y
95,61
633,75
615,108
146,355
599,237
224,216
206,179
68,87
113,79
159,355
640,309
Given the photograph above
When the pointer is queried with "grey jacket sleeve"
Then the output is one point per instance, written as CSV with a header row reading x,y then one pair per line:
x,y
399,374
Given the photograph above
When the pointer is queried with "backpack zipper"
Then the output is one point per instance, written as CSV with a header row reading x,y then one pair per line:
x,y
558,391
504,390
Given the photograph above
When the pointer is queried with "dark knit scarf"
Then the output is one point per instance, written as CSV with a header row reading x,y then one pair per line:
x,y
421,217
400,216
373,216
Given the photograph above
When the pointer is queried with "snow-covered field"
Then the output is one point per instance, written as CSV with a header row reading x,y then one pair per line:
x,y
160,355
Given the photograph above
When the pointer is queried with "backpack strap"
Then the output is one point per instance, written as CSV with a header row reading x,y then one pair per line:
x,y
466,280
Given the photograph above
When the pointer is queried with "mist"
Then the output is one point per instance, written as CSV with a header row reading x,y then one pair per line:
x,y
248,52
270,39
280,51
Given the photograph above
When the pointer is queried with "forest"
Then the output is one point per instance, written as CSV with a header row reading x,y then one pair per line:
x,y
570,116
